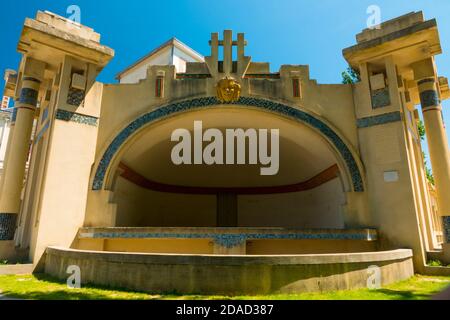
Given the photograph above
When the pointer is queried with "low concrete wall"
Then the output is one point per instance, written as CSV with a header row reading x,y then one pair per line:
x,y
9,252
213,274
436,271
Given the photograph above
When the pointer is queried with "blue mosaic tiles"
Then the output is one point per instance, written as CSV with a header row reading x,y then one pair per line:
x,y
429,98
44,115
7,226
379,120
231,240
75,97
198,103
446,225
76,117
28,96
381,98
42,132
14,115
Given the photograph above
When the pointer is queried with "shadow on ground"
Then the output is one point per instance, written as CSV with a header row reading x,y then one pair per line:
x,y
405,294
94,292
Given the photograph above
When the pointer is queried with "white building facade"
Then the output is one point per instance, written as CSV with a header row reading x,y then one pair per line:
x,y
172,52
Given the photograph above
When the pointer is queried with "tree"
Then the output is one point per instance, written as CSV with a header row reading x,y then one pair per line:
x,y
421,130
351,76
428,171
422,133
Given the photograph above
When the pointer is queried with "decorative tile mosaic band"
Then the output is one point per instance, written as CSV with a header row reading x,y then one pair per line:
x,y
31,79
198,103
427,80
7,226
76,117
446,226
75,97
193,76
381,98
235,239
28,96
262,76
429,98
44,115
42,132
14,116
379,120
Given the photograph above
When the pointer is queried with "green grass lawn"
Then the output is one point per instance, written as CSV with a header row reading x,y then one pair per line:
x,y
44,287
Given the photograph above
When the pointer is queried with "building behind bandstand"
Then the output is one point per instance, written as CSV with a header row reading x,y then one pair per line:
x,y
102,192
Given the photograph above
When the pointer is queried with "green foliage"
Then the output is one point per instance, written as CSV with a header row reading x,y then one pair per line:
x,y
3,262
428,171
42,287
350,76
434,263
421,130
430,176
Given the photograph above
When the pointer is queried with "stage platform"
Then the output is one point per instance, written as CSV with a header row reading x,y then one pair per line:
x,y
198,240
229,261
231,274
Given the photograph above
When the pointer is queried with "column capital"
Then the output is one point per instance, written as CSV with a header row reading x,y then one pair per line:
x,y
424,69
33,69
429,95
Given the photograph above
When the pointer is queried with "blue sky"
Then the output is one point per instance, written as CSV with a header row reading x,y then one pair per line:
x,y
310,32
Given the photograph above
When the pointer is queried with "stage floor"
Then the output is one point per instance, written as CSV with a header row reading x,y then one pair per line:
x,y
231,275
199,240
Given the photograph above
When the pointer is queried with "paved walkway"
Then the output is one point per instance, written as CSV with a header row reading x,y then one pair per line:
x,y
9,269
3,297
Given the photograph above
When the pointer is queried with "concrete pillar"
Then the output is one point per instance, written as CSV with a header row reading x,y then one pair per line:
x,y
213,60
8,146
227,210
227,52
438,147
17,156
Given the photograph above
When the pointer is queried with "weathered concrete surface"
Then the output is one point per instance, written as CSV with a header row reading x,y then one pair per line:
x,y
215,274
437,271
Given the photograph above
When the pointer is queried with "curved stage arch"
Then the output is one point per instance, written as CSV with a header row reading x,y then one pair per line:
x,y
279,108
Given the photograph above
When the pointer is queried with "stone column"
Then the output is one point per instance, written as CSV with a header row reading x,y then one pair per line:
x,y
227,210
18,152
227,52
438,147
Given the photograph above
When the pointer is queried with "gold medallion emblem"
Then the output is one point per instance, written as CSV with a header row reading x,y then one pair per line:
x,y
228,90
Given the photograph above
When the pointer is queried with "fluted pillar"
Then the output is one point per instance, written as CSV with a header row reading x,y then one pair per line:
x,y
438,147
18,151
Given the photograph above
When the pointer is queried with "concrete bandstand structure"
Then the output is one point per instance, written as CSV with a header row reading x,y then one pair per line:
x,y
103,193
